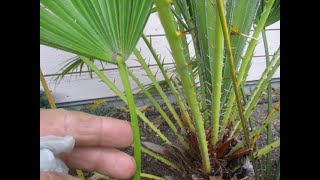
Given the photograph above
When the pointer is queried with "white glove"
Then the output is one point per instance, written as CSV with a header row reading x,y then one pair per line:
x,y
51,146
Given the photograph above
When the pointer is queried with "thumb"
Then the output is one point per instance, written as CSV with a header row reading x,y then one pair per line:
x,y
56,176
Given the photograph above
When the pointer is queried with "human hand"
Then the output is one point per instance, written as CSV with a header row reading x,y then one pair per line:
x,y
96,141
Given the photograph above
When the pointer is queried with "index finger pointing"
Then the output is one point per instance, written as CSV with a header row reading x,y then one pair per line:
x,y
87,129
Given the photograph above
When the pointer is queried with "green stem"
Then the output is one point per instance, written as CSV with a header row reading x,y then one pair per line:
x,y
246,60
268,148
277,175
182,105
152,127
235,111
177,14
272,115
182,27
134,119
151,176
254,135
112,86
252,44
245,100
216,83
261,169
263,82
168,24
47,91
80,174
200,47
261,86
234,79
269,134
158,87
234,114
158,107
203,94
160,158
179,90
233,71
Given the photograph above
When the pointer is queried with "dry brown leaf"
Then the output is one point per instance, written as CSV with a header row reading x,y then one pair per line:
x,y
154,147
182,151
223,148
159,149
239,153
215,177
184,121
193,141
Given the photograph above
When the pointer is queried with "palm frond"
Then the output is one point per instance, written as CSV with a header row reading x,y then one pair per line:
x,y
73,65
99,29
274,15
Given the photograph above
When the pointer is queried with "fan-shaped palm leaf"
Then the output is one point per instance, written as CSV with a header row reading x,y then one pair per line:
x,y
98,29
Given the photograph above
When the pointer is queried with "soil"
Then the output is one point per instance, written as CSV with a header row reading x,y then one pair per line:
x,y
152,166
